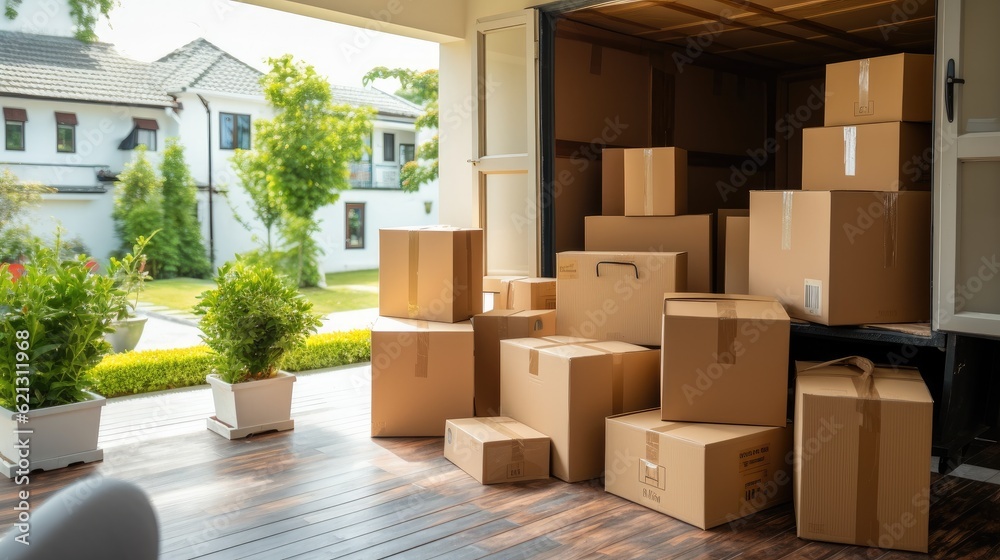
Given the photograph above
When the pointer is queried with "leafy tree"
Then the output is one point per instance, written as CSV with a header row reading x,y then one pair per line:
x,y
181,233
16,238
83,12
263,203
301,155
420,88
139,210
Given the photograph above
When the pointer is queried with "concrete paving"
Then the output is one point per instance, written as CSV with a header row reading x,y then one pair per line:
x,y
171,329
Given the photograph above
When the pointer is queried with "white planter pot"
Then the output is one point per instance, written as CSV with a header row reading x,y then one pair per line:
x,y
56,436
252,407
127,334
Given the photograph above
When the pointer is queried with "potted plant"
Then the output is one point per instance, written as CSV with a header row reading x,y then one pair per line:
x,y
250,321
53,319
130,276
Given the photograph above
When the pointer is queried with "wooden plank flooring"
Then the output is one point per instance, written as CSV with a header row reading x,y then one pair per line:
x,y
327,490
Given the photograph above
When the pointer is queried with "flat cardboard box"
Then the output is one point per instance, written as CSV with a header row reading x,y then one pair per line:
x,y
528,293
422,375
615,295
655,181
833,257
613,181
870,157
566,390
721,225
497,284
864,445
496,449
432,273
737,262
492,327
892,88
724,359
690,234
702,474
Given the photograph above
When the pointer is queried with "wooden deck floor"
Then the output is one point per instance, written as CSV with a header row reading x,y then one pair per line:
x,y
327,490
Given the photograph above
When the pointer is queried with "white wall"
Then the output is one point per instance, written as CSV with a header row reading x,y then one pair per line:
x,y
45,17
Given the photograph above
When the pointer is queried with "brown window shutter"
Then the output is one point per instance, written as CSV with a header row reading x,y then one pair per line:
x,y
19,115
66,118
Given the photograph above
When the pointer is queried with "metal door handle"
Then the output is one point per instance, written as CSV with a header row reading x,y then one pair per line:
x,y
949,90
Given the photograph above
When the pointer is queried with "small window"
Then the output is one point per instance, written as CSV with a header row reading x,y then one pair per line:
x,y
66,132
14,120
407,153
388,146
355,225
143,132
234,131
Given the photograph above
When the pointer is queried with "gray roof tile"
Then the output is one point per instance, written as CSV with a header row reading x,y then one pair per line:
x,y
384,103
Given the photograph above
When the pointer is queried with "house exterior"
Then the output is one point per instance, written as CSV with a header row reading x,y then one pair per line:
x,y
73,112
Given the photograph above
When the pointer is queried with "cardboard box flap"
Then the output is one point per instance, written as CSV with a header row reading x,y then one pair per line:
x,y
857,377
721,308
699,434
495,284
392,324
679,296
566,339
611,346
497,428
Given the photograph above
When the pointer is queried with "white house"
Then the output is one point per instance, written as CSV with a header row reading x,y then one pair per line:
x,y
74,111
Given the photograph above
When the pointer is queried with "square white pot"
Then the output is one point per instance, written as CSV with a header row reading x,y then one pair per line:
x,y
253,403
57,435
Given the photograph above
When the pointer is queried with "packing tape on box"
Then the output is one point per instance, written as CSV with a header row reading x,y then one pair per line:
x,y
423,352
466,285
653,440
786,220
502,327
890,201
412,307
617,378
726,336
533,361
516,443
864,67
647,201
850,151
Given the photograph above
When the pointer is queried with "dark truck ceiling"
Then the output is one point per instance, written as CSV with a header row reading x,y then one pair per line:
x,y
772,34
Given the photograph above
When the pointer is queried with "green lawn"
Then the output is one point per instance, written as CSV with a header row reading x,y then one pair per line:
x,y
339,295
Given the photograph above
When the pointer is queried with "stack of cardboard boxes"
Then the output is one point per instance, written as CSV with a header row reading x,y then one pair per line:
x,y
680,400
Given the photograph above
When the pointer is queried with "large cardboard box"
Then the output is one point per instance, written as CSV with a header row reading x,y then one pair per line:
x,y
863,443
655,181
496,449
689,234
613,181
892,88
492,327
615,296
737,263
843,257
422,375
725,359
432,273
702,474
869,157
528,293
721,229
566,390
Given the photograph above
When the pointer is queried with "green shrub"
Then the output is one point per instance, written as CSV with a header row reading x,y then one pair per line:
x,y
146,371
331,350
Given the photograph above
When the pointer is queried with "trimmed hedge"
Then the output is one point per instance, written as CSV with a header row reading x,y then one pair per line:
x,y
146,371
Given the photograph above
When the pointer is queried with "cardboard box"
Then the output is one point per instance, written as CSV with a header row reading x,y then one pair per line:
x,y
868,157
737,262
863,439
893,88
725,359
655,181
615,296
497,284
613,181
528,293
492,327
689,234
566,390
834,257
422,375
432,273
702,474
496,449
721,225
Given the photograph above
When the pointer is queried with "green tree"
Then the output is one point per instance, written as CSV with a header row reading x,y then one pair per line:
x,y
138,210
15,237
420,88
181,233
301,155
83,12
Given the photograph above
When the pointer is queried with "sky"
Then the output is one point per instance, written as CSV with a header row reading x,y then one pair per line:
x,y
149,29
